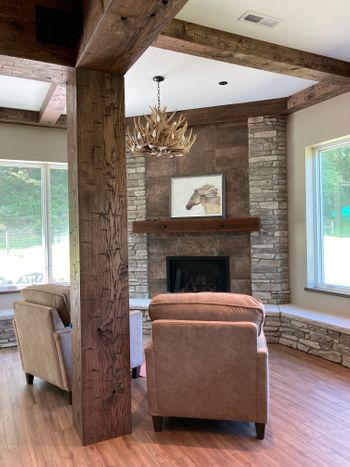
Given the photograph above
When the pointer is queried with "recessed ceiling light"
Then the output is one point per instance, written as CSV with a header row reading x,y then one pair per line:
x,y
223,83
253,17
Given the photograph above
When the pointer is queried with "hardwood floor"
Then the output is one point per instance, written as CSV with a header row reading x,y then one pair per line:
x,y
309,424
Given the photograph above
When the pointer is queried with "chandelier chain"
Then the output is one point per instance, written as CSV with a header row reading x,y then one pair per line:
x,y
158,94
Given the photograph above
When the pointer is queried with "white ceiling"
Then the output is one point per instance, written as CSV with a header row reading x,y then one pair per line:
x,y
318,26
192,82
18,93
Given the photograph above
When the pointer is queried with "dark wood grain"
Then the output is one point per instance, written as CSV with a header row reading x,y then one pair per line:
x,y
117,32
54,104
18,33
33,69
320,92
308,424
241,224
99,261
28,117
230,112
194,39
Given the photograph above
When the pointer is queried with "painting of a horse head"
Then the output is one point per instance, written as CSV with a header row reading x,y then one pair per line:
x,y
197,196
209,197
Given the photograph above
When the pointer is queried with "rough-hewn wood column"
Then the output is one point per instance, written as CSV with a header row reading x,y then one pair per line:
x,y
99,276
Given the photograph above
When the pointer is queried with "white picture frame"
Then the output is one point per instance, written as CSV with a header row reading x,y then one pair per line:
x,y
197,196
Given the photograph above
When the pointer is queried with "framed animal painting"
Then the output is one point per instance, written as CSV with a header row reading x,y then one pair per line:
x,y
197,196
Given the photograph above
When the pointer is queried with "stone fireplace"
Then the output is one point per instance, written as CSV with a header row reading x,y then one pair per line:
x,y
251,154
198,274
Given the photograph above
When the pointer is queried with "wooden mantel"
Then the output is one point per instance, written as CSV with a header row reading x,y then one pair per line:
x,y
170,226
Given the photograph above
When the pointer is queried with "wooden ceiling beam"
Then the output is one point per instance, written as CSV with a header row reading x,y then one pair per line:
x,y
201,41
28,117
54,104
320,92
31,69
230,112
117,32
19,32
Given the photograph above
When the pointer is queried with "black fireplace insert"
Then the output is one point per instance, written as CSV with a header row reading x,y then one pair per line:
x,y
198,274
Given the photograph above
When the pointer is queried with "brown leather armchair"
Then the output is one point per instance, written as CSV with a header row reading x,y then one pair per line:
x,y
208,358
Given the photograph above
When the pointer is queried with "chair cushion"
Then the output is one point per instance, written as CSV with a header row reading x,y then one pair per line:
x,y
55,296
208,306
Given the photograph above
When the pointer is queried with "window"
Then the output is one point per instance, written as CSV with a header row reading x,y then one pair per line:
x,y
34,229
329,234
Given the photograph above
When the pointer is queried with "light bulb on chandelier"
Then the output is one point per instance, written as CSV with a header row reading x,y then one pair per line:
x,y
162,135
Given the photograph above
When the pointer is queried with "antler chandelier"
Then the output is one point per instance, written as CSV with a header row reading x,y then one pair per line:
x,y
162,135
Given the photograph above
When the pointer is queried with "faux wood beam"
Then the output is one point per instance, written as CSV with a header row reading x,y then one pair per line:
x,y
193,39
117,32
31,69
230,112
19,29
28,117
54,104
313,95
171,226
99,255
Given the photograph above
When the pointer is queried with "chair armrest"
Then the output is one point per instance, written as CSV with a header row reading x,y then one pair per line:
x,y
151,381
63,340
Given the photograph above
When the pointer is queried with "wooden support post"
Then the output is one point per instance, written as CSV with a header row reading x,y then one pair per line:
x,y
99,274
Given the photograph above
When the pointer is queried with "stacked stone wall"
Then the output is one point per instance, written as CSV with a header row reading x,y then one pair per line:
x,y
268,200
137,243
323,340
7,333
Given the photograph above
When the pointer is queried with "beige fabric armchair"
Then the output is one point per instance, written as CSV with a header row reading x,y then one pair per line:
x,y
208,358
44,336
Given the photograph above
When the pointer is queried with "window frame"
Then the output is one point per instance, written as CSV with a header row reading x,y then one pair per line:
x,y
45,168
314,220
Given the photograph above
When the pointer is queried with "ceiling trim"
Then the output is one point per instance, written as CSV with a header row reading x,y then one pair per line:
x,y
312,95
194,39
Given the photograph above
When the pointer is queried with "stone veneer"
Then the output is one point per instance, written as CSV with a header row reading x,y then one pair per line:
x,y
7,333
137,243
268,199
316,338
240,149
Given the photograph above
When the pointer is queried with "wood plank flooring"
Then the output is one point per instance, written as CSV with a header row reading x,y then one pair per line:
x,y
309,424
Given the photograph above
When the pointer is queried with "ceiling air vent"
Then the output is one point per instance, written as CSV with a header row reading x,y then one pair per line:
x,y
258,18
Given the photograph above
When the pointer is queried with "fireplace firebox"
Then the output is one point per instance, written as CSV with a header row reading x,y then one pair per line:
x,y
198,274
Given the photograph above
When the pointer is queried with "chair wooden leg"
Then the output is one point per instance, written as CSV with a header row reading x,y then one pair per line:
x,y
157,423
260,430
70,400
136,372
29,378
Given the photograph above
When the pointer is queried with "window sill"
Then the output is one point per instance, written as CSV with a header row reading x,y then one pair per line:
x,y
327,292
12,289
8,291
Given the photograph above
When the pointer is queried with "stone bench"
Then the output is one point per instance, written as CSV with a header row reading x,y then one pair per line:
x,y
310,331
7,333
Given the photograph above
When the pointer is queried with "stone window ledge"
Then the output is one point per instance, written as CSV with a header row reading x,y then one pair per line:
x,y
324,320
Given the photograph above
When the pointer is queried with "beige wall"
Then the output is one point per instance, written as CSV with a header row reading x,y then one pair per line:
x,y
29,143
322,122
